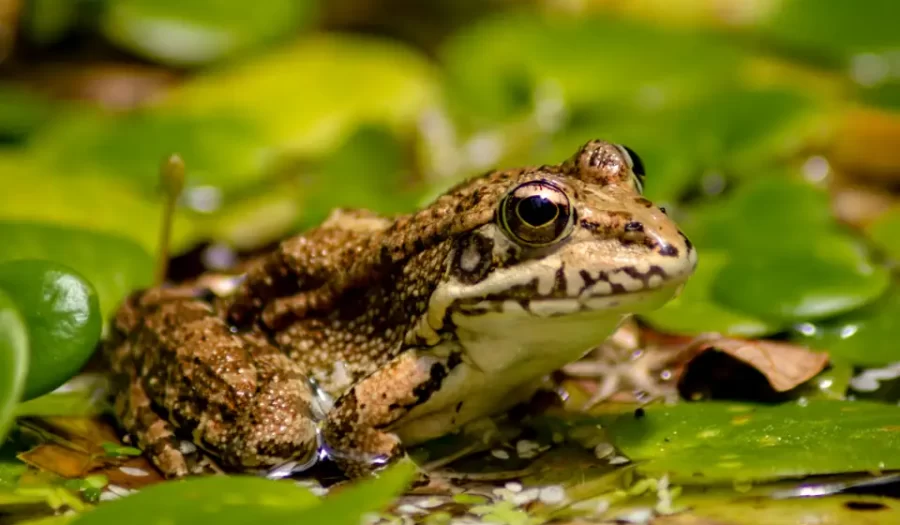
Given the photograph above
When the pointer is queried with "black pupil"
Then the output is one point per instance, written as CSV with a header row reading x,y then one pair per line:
x,y
638,164
537,210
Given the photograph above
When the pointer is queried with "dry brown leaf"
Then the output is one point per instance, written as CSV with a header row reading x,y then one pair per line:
x,y
784,365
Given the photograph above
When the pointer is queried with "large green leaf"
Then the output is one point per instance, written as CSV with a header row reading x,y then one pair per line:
x,y
866,337
307,98
62,314
33,192
885,233
13,360
840,29
696,311
495,67
715,442
201,31
113,265
240,499
823,277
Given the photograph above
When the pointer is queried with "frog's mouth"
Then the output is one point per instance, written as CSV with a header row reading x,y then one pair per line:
x,y
625,288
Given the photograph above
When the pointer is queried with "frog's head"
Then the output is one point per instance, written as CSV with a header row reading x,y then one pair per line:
x,y
575,241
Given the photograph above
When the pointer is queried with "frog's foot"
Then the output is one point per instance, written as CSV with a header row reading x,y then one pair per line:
x,y
358,428
154,435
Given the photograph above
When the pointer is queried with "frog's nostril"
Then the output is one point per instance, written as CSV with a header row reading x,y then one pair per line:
x,y
634,226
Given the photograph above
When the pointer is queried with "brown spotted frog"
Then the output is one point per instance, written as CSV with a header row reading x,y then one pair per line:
x,y
368,334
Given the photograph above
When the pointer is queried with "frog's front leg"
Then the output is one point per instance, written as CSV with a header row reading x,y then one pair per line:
x,y
358,427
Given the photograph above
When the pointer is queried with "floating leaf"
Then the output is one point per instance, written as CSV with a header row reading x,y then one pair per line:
x,y
842,29
349,505
715,442
695,311
88,201
62,314
369,170
866,337
825,276
885,233
114,266
222,151
21,112
199,32
497,65
307,98
243,499
13,360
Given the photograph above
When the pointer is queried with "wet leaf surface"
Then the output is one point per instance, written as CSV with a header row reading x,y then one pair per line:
x,y
13,360
866,337
717,442
62,315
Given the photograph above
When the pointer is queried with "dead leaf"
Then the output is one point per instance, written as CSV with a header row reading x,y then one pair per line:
x,y
784,365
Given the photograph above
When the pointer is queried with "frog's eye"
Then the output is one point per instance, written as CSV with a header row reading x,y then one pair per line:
x,y
636,165
536,213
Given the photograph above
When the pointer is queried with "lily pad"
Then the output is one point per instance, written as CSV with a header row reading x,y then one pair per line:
x,y
823,277
200,32
866,337
89,201
13,360
223,151
713,442
241,499
496,66
841,29
62,314
21,112
696,310
114,266
368,169
761,216
885,233
307,98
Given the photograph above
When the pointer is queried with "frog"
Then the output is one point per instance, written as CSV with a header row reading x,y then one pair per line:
x,y
369,334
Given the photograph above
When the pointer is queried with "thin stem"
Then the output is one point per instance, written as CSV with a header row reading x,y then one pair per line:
x,y
172,177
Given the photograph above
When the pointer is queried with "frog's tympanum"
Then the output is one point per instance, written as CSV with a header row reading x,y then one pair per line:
x,y
413,325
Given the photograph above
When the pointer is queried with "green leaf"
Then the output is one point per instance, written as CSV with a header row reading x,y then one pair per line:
x,y
866,337
368,168
713,442
201,31
496,66
13,360
21,112
794,212
216,499
307,98
841,29
243,499
220,150
114,266
824,276
89,201
696,311
885,233
371,495
46,22
62,315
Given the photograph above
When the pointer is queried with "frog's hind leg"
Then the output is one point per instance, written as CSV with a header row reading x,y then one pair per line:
x,y
153,434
